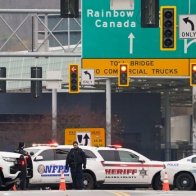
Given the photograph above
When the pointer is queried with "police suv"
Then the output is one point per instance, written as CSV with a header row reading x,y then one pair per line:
x,y
49,161
126,166
182,173
10,168
105,165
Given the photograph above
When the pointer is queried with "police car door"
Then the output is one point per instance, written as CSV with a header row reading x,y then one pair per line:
x,y
123,167
43,167
133,170
47,168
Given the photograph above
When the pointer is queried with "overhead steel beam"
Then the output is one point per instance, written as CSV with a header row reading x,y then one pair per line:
x,y
22,11
38,54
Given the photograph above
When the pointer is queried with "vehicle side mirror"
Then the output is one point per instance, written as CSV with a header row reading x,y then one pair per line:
x,y
38,158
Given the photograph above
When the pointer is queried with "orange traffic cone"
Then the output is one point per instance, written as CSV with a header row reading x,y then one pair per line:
x,y
62,185
14,187
165,183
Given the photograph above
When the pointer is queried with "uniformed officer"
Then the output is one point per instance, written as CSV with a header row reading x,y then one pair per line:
x,y
20,149
75,160
23,175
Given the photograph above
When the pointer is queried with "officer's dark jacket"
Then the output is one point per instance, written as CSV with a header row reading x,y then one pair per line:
x,y
76,157
21,151
28,161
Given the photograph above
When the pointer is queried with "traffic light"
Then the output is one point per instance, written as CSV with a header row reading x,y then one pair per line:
x,y
123,79
74,79
168,28
193,74
69,8
36,85
2,82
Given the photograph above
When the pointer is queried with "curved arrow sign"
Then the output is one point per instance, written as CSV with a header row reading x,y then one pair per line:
x,y
187,24
187,20
87,77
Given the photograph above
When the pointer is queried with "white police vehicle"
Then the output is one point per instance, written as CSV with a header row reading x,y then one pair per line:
x,y
181,173
10,168
107,165
49,161
126,166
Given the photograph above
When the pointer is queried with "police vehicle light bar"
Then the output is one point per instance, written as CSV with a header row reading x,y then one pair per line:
x,y
115,146
50,145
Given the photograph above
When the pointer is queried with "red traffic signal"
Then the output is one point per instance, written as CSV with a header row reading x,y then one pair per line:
x,y
193,74
123,79
74,79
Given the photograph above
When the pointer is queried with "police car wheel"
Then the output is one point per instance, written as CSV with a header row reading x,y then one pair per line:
x,y
157,184
88,181
184,181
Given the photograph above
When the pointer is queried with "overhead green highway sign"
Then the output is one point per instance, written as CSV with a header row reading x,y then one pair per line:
x,y
112,30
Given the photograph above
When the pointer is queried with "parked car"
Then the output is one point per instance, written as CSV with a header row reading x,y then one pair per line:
x,y
10,168
105,165
181,173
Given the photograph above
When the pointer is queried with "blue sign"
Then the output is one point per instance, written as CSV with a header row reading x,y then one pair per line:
x,y
117,33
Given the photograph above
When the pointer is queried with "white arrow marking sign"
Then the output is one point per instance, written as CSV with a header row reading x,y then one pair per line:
x,y
131,37
88,77
187,27
83,138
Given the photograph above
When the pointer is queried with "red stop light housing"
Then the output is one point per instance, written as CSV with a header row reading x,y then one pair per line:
x,y
74,79
193,74
123,79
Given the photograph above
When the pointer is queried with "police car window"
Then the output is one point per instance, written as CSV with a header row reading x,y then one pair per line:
x,y
108,155
194,160
32,150
128,157
89,154
61,154
48,155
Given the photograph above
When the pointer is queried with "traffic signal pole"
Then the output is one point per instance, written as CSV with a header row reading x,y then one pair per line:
x,y
108,112
54,115
194,120
167,115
